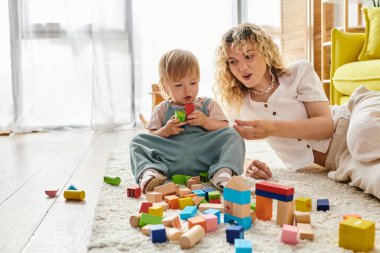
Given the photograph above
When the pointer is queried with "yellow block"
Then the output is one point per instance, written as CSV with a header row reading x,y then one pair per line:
x,y
156,210
184,202
357,234
74,195
303,204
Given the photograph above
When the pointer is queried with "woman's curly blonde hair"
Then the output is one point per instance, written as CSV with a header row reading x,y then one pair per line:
x,y
228,89
175,65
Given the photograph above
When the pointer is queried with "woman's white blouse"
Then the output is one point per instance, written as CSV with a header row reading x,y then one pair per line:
x,y
287,103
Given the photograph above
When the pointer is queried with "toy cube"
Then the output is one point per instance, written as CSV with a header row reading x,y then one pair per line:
x,y
243,246
165,206
197,200
346,216
207,190
264,207
190,183
134,192
323,205
146,219
154,197
156,210
158,233
184,191
289,234
200,193
234,232
204,176
357,234
211,222
181,115
189,108
253,206
214,195
172,221
196,187
184,202
188,212
197,220
305,231
214,212
145,207
173,201
303,204
302,217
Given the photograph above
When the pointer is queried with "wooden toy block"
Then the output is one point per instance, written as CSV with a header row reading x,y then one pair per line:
x,y
214,212
134,220
264,208
285,213
177,189
236,196
301,217
234,232
211,222
204,206
215,201
112,180
357,234
237,210
184,202
191,237
204,176
164,205
74,195
237,183
305,231
184,191
275,188
199,193
303,204
134,192
172,221
189,108
188,212
158,233
253,206
289,234
197,200
146,219
243,246
207,190
72,187
173,234
197,220
179,179
51,193
272,195
156,210
166,189
146,230
145,207
191,195
323,205
253,215
245,222
196,187
214,195
154,197
173,201
181,115
346,216
197,179
190,182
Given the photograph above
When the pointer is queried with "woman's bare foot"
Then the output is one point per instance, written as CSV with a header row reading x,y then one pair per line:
x,y
257,169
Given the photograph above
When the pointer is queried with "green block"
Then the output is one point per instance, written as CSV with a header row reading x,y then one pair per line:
x,y
204,176
146,219
180,179
204,201
181,115
214,195
253,206
112,180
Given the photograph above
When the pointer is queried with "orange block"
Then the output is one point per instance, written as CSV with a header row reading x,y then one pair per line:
x,y
264,208
197,220
346,216
173,201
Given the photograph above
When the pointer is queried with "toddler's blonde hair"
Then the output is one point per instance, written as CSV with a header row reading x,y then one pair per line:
x,y
175,65
229,90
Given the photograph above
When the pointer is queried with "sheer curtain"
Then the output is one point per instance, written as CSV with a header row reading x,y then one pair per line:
x,y
74,64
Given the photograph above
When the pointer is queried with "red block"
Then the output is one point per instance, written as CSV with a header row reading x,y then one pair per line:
x,y
215,201
134,192
275,188
145,207
189,108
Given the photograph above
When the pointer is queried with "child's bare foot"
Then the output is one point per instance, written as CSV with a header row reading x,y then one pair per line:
x,y
150,179
257,170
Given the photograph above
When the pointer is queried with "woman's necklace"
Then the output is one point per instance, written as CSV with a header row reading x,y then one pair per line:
x,y
266,91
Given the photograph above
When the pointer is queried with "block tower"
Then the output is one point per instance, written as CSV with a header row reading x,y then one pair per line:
x,y
237,198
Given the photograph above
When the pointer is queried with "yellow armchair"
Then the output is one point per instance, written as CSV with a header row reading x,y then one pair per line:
x,y
346,72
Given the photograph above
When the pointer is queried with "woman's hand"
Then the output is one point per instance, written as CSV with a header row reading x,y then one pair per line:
x,y
196,118
255,129
257,170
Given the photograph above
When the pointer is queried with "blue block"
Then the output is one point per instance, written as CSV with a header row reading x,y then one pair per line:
x,y
199,193
188,212
246,222
72,188
323,205
271,195
243,246
158,233
214,212
207,190
236,196
234,232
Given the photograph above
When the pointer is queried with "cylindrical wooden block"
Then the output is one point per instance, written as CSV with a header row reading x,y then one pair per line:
x,y
134,220
74,195
173,234
191,237
112,180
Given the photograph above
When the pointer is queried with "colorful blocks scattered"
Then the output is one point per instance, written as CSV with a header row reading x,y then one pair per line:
x,y
289,234
234,232
158,233
323,205
243,246
357,234
303,204
134,192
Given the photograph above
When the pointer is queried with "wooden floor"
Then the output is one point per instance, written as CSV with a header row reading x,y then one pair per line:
x,y
32,163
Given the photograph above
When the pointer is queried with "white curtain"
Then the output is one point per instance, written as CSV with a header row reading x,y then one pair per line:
x,y
74,65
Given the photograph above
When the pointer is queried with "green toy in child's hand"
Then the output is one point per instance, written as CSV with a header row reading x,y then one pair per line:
x,y
181,115
112,180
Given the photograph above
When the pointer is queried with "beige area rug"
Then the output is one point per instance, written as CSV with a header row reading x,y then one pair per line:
x,y
112,232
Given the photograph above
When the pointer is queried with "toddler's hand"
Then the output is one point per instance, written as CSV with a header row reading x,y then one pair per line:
x,y
196,118
174,126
